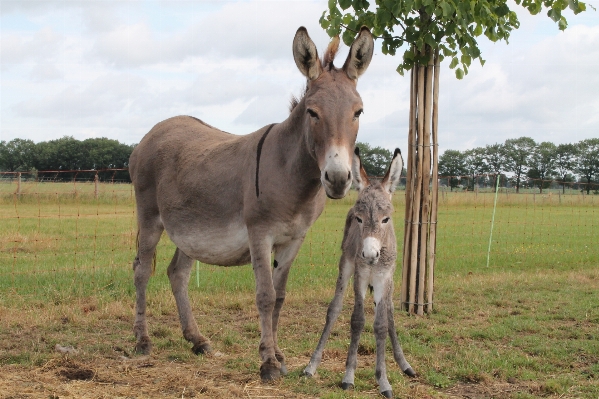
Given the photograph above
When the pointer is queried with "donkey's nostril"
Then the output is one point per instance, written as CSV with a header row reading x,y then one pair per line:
x,y
326,177
363,256
377,254
349,175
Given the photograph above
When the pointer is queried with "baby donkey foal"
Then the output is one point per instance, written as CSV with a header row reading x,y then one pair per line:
x,y
368,253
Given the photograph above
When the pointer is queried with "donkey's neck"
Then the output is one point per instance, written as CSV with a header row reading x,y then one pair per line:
x,y
294,151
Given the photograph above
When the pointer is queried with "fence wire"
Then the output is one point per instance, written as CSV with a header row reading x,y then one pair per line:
x,y
76,231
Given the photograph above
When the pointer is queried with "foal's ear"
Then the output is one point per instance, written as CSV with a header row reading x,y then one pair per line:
x,y
305,55
393,175
359,177
360,54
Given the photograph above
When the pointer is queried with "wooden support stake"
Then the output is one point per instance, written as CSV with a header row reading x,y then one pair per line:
x,y
435,190
426,170
18,183
414,271
411,152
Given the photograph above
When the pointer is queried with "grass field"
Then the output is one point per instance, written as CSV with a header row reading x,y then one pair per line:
x,y
525,327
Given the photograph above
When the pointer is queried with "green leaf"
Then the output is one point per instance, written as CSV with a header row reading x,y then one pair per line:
x,y
459,73
360,5
478,30
562,24
554,14
454,62
482,62
348,37
466,60
447,9
345,4
502,10
324,22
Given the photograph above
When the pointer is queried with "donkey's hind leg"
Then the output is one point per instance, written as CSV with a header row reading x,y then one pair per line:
x,y
148,236
346,270
178,273
398,354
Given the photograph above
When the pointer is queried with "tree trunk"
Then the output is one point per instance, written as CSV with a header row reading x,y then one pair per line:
x,y
421,198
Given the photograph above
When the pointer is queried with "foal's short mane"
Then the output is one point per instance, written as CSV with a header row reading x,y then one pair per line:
x,y
327,64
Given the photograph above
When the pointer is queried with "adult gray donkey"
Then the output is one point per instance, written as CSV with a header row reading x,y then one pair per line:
x,y
228,200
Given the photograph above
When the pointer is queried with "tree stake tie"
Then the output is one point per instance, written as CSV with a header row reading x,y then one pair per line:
x,y
493,219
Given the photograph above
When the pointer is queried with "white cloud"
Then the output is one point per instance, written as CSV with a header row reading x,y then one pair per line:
x,y
116,68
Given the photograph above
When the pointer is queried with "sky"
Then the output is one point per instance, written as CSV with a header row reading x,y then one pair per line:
x,y
116,68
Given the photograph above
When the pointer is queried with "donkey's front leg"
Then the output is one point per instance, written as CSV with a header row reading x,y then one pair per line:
x,y
265,302
361,278
284,256
346,270
380,334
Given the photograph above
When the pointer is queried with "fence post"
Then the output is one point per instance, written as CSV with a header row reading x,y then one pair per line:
x,y
96,186
18,183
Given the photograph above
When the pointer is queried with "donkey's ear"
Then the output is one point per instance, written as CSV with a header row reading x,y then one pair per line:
x,y
359,177
360,54
393,175
305,55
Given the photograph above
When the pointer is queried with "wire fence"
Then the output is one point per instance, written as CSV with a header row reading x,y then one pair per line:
x,y
76,230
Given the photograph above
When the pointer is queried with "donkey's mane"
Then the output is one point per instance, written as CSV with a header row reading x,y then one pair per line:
x,y
327,64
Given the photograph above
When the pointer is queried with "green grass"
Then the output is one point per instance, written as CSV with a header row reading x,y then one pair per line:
x,y
525,327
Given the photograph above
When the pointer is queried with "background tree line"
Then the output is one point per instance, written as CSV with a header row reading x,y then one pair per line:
x,y
537,164
521,158
66,154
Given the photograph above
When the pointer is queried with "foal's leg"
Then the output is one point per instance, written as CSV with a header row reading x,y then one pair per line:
x,y
380,334
398,354
346,270
284,257
178,273
361,278
150,230
260,248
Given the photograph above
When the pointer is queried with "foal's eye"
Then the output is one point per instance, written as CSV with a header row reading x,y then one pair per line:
x,y
358,219
312,113
385,220
358,113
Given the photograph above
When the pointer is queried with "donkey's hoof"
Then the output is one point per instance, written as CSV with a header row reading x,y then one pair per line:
x,y
269,372
387,394
409,372
201,349
306,373
346,385
283,369
143,346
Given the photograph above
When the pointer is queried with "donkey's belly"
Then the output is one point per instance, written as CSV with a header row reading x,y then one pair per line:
x,y
227,246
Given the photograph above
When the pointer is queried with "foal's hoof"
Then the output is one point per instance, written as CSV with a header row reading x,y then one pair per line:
x,y
306,373
409,372
346,385
201,349
387,394
143,346
269,372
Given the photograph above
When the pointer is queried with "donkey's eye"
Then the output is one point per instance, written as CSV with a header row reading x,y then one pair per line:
x,y
358,219
358,113
385,220
312,113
